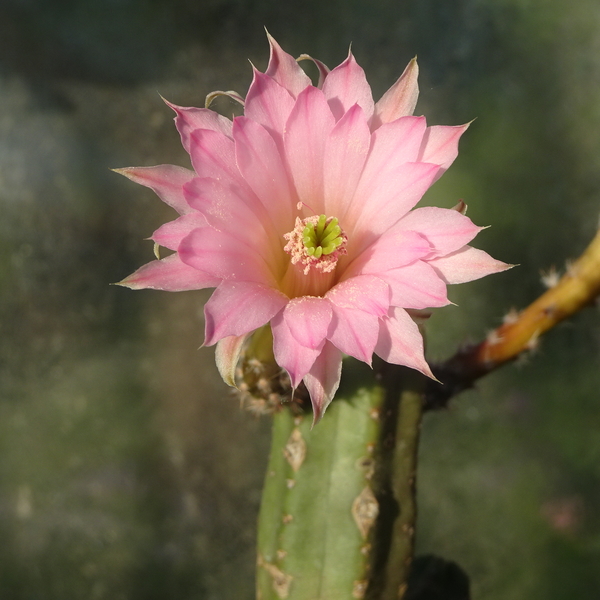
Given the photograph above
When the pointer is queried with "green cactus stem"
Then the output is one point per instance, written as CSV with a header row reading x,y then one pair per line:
x,y
403,482
334,493
318,506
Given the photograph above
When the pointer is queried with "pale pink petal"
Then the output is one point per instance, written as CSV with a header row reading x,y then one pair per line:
x,y
306,134
170,275
228,208
391,197
390,251
401,343
393,144
416,286
295,358
445,229
345,155
189,119
346,86
321,67
227,356
238,307
170,234
400,100
467,264
365,292
357,305
323,379
308,318
285,70
269,104
166,181
354,332
212,96
224,256
213,155
440,145
222,204
262,166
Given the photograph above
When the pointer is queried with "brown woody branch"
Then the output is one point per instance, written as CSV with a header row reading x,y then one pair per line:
x,y
578,288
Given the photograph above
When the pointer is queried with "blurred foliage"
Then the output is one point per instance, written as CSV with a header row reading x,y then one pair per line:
x,y
127,472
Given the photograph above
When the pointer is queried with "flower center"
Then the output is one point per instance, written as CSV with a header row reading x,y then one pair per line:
x,y
316,242
324,237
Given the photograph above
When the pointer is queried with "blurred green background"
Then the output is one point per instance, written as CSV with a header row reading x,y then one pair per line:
x,y
127,471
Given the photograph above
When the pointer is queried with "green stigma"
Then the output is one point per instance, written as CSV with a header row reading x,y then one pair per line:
x,y
322,238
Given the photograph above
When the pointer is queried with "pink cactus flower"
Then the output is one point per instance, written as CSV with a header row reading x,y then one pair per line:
x,y
301,214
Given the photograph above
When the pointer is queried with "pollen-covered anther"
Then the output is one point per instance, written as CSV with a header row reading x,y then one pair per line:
x,y
317,242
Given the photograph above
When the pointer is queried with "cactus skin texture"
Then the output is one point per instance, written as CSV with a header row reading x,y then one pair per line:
x,y
318,507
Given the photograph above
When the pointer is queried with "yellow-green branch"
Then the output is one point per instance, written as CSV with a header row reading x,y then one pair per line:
x,y
578,288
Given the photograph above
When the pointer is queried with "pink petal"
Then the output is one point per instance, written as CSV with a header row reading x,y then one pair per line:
x,y
269,104
321,67
393,144
227,356
308,318
306,134
213,155
390,251
323,379
400,100
440,145
357,305
345,155
354,332
227,208
189,119
401,343
238,307
390,198
467,264
416,286
365,292
166,181
346,86
169,274
284,69
263,169
445,229
224,256
170,234
210,98
295,358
